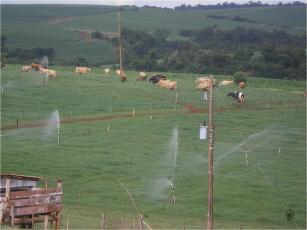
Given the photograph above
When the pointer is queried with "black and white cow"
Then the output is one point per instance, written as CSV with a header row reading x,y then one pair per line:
x,y
238,96
156,78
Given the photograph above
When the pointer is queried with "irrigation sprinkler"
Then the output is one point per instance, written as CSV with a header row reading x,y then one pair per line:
x,y
279,150
205,97
45,81
267,107
108,128
173,193
150,117
58,124
1,90
133,112
246,157
102,221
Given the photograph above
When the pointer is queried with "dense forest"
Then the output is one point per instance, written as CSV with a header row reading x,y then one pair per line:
x,y
274,54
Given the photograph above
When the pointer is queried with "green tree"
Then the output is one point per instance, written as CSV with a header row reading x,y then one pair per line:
x,y
240,76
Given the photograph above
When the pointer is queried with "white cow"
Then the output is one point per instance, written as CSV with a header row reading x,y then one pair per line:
x,y
107,71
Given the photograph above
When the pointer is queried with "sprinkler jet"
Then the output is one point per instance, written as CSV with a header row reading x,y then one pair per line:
x,y
173,191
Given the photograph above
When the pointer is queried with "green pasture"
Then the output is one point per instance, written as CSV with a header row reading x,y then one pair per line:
x,y
28,26
110,171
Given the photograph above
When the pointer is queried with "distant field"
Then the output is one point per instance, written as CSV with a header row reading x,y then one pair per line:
x,y
54,25
137,155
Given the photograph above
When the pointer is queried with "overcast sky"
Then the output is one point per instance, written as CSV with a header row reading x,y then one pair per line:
x,y
160,3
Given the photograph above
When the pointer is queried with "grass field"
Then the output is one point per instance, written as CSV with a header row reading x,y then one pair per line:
x,y
28,26
137,155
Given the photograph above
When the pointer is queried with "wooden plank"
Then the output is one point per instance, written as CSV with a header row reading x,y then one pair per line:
x,y
22,211
35,193
38,219
36,201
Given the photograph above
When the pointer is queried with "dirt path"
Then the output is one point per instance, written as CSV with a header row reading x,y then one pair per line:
x,y
59,20
189,108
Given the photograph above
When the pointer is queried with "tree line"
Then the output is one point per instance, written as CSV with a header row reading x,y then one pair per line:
x,y
231,5
274,54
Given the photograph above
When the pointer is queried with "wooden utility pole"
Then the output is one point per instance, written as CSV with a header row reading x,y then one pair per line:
x,y
210,159
120,44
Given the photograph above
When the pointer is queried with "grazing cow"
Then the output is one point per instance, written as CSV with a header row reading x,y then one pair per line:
x,y
142,76
226,82
82,70
51,73
106,70
238,96
121,74
36,66
26,68
242,85
118,72
156,78
167,84
204,84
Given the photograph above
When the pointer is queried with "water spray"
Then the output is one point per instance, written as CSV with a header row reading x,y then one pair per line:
x,y
58,125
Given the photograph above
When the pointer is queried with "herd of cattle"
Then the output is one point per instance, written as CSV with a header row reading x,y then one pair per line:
x,y
201,83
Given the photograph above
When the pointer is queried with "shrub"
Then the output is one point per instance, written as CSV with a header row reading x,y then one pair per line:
x,y
240,76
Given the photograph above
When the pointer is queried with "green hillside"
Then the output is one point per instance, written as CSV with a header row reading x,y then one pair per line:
x,y
124,172
55,26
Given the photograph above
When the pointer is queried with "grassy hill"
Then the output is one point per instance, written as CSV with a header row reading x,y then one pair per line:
x,y
55,26
138,154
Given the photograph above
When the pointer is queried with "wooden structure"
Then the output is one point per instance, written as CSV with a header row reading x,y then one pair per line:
x,y
23,204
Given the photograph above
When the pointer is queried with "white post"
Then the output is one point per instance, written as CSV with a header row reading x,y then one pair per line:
x,y
267,107
205,96
150,117
279,150
108,128
46,80
1,89
67,223
133,112
246,158
176,97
